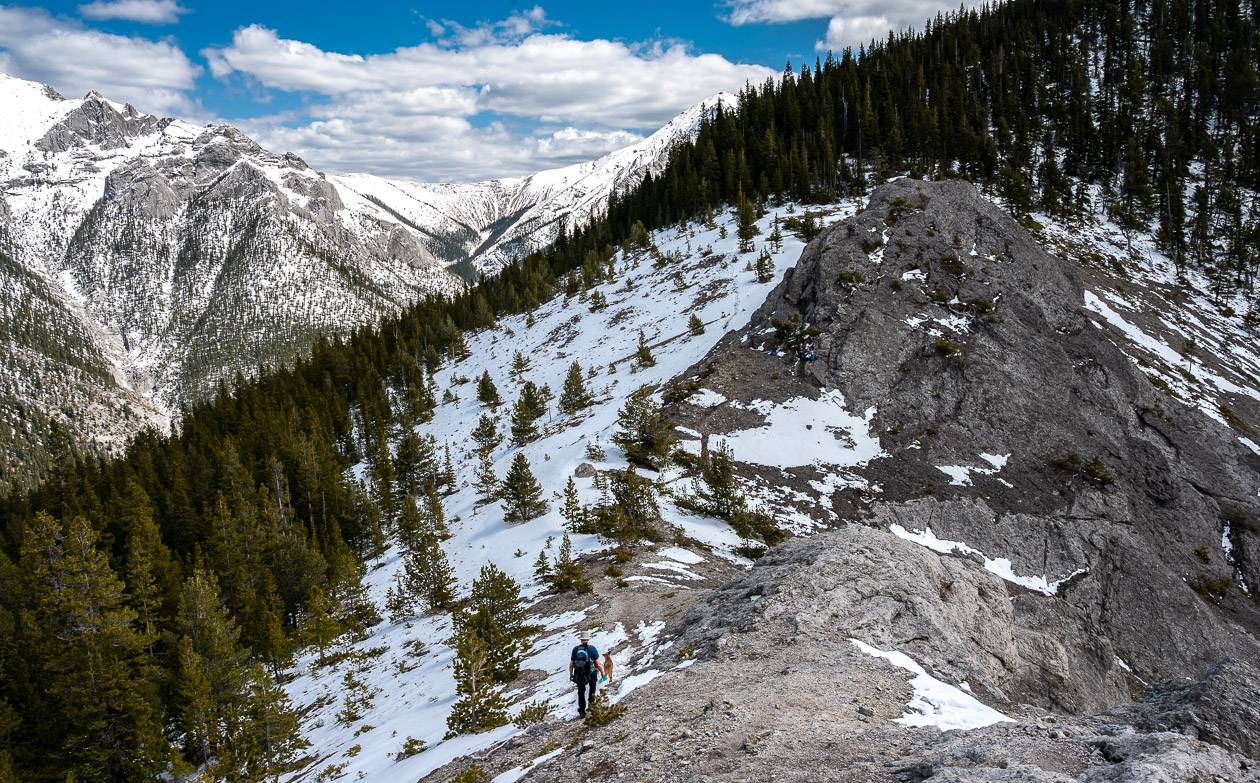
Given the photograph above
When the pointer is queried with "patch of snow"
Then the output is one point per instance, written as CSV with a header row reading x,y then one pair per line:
x,y
706,398
802,432
681,555
628,684
676,568
516,773
998,461
999,566
936,703
960,475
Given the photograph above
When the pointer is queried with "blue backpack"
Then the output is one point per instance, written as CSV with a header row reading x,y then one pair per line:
x,y
581,666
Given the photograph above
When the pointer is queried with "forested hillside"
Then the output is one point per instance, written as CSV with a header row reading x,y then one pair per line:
x,y
146,602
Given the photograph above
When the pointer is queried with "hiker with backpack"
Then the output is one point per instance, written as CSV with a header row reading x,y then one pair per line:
x,y
584,671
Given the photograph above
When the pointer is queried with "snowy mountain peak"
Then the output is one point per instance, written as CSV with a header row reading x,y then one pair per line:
x,y
487,225
178,254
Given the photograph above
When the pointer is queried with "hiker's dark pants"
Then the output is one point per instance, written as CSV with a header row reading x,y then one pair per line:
x,y
582,694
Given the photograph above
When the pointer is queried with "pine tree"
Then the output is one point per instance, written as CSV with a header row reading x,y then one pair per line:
x,y
522,495
643,433
764,267
485,482
150,573
574,513
695,325
384,478
426,576
633,514
520,365
644,353
446,478
236,721
542,567
747,218
720,493
439,589
495,613
776,237
486,434
436,515
523,417
487,392
416,463
89,661
567,576
594,451
273,730
401,600
481,705
411,524
574,397
318,623
419,403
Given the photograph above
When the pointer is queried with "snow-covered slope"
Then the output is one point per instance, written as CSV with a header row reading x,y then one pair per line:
x,y
806,455
415,692
488,224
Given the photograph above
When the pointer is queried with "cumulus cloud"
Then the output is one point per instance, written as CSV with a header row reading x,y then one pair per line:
x,y
147,11
852,22
498,98
516,26
154,75
550,76
845,31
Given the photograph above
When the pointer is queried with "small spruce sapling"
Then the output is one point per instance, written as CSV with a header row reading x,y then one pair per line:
x,y
487,392
644,353
521,492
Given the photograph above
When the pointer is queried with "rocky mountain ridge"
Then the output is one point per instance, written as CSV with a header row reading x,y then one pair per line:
x,y
1044,562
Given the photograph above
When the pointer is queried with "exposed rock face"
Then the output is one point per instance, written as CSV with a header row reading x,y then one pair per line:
x,y
97,122
1106,474
1056,587
964,338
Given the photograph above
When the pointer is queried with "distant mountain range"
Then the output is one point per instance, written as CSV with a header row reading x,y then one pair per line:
x,y
145,259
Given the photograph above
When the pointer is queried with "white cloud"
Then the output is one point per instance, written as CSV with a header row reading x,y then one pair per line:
x,y
852,22
541,75
154,75
513,28
147,11
445,109
752,11
573,144
845,31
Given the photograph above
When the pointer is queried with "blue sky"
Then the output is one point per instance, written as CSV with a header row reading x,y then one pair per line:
x,y
434,90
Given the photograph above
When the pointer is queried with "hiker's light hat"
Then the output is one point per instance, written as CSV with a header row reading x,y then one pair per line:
x,y
586,636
